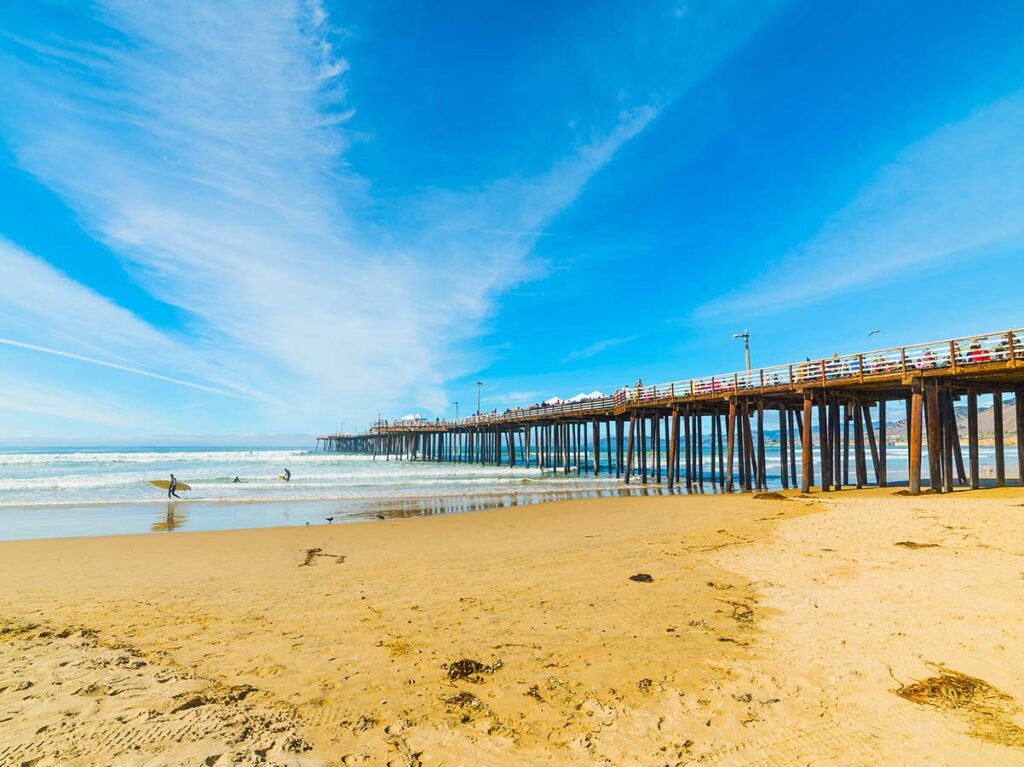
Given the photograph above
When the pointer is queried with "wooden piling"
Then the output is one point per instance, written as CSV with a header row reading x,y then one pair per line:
x,y
948,429
1018,406
643,450
835,443
823,445
689,449
791,417
807,474
783,448
762,472
997,428
673,448
972,439
869,428
934,429
860,466
883,479
730,449
698,438
608,444
721,451
629,447
916,401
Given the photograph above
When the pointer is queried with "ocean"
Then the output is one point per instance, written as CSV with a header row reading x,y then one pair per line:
x,y
65,492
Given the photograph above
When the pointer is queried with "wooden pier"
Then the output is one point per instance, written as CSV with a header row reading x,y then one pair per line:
x,y
709,432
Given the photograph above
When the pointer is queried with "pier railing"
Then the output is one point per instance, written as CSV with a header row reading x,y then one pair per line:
x,y
993,350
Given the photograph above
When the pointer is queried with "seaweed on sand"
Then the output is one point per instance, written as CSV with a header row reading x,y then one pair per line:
x,y
470,669
988,710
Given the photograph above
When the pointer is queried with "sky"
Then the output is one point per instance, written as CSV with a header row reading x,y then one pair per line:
x,y
254,218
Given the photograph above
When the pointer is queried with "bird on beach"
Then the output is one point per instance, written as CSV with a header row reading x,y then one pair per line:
x,y
329,519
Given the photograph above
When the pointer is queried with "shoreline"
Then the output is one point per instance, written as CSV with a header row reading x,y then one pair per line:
x,y
129,518
764,633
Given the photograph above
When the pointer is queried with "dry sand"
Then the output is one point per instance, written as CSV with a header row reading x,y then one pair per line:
x,y
773,632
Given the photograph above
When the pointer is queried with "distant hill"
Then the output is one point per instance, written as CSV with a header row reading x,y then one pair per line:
x,y
897,430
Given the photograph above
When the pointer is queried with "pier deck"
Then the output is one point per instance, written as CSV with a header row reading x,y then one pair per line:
x,y
656,433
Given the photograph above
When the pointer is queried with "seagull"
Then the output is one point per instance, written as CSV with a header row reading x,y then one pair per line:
x,y
329,519
873,332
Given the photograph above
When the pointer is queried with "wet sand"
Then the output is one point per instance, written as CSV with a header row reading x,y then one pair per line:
x,y
771,632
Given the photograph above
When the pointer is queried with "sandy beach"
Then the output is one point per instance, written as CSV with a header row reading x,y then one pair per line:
x,y
757,631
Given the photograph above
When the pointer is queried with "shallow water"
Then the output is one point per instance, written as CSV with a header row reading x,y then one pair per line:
x,y
56,493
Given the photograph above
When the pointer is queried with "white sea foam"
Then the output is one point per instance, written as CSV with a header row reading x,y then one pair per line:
x,y
123,477
97,477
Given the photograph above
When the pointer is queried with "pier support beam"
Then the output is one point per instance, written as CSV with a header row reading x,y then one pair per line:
x,y
997,428
762,472
883,480
869,428
1018,406
823,442
807,474
934,418
915,441
783,449
673,448
730,449
972,439
629,447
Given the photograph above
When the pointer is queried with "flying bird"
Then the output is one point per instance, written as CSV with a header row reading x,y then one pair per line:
x,y
873,332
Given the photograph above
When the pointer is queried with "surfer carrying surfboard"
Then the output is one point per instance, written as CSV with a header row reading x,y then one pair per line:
x,y
172,488
287,476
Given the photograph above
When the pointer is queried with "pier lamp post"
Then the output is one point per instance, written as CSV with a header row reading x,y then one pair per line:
x,y
745,335
456,410
478,385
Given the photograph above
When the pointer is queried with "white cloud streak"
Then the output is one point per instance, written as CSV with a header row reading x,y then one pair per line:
x,y
957,192
206,146
39,302
123,368
208,157
596,348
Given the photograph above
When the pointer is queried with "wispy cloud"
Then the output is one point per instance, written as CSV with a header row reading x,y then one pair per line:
x,y
34,398
210,161
39,303
957,192
206,145
596,348
122,368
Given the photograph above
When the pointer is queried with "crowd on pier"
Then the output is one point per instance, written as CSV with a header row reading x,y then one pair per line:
x,y
994,348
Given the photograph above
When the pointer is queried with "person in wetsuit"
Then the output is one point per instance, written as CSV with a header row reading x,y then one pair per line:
x,y
287,476
235,481
172,488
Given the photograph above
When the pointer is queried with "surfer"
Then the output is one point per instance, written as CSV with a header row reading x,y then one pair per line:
x,y
236,481
172,488
287,476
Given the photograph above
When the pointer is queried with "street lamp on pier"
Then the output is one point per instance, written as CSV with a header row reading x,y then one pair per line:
x,y
745,335
478,385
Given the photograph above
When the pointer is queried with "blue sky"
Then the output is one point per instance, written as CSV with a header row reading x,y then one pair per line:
x,y
252,217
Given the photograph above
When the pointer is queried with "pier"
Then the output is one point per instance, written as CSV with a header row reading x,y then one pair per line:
x,y
710,431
